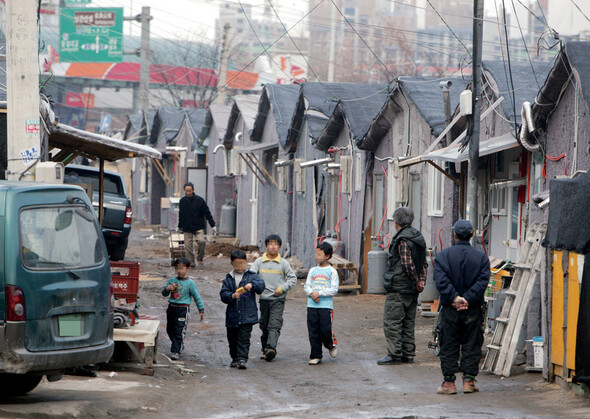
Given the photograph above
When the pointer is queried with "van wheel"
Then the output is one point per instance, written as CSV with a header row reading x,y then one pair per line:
x,y
18,384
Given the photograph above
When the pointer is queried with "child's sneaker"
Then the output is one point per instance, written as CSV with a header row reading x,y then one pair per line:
x,y
242,365
334,351
469,384
314,361
234,363
175,356
447,387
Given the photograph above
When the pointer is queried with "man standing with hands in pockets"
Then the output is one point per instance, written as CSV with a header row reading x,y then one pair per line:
x,y
461,274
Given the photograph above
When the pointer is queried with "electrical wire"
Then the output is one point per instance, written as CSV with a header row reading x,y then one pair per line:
x,y
362,40
450,29
510,72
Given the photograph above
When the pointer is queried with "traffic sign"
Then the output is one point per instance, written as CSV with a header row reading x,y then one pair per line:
x,y
105,123
91,35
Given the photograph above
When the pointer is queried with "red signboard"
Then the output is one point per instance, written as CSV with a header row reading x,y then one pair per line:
x,y
79,100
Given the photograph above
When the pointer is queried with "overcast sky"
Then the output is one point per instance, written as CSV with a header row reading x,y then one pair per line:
x,y
181,18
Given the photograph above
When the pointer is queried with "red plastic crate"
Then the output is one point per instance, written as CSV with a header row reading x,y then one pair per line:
x,y
125,276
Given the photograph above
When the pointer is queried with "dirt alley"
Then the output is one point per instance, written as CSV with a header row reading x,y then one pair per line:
x,y
201,384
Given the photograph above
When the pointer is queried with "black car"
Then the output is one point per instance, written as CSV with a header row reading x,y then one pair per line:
x,y
116,222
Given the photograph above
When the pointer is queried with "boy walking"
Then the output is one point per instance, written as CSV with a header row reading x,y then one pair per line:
x,y
180,289
321,286
238,291
278,278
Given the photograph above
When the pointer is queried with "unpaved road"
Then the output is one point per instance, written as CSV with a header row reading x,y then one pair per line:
x,y
352,385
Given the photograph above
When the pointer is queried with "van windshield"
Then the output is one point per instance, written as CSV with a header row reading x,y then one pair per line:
x,y
59,237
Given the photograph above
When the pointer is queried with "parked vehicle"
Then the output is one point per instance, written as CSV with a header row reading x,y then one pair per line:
x,y
116,222
56,309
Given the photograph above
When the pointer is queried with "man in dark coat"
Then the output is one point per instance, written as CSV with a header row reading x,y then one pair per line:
x,y
403,281
461,274
191,221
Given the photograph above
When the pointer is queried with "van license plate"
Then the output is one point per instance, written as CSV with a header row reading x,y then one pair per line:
x,y
71,325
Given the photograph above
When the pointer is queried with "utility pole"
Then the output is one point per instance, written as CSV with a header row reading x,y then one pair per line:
x,y
22,88
476,89
222,79
332,43
144,72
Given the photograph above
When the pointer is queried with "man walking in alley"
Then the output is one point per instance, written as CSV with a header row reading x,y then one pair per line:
x,y
403,281
461,274
191,221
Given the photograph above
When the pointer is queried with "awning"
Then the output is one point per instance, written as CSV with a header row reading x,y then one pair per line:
x,y
75,142
453,154
257,168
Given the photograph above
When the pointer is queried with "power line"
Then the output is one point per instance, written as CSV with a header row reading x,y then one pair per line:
x,y
363,41
274,42
294,44
510,70
578,7
447,25
260,42
524,42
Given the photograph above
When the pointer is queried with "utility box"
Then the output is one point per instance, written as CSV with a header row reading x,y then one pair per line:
x,y
49,172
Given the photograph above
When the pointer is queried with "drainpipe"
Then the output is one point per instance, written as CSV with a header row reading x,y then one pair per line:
x,y
446,86
527,128
290,202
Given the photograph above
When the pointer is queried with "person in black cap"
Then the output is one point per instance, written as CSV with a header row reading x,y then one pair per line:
x,y
461,274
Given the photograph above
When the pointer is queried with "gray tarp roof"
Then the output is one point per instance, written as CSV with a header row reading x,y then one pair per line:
x,y
196,119
572,55
427,97
358,106
246,106
282,99
527,78
218,115
166,124
133,128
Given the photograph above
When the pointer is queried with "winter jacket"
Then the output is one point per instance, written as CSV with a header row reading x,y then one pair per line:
x,y
192,213
244,309
461,270
395,278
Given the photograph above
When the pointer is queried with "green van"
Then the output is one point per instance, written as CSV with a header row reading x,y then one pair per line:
x,y
55,290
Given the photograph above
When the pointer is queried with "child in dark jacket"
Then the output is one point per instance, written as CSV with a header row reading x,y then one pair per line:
x,y
238,291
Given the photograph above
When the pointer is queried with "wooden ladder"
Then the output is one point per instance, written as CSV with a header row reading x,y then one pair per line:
x,y
502,349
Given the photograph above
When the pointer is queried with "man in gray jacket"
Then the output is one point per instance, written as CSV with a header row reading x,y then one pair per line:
x,y
278,278
403,281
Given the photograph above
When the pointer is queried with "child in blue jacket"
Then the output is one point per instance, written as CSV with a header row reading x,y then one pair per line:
x,y
180,289
238,291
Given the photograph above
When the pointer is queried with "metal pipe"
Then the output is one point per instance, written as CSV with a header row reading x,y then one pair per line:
x,y
317,162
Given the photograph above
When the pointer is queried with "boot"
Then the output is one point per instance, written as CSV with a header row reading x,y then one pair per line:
x,y
469,384
448,386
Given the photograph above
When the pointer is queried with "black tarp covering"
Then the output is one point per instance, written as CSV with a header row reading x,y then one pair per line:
x,y
569,229
569,216
583,333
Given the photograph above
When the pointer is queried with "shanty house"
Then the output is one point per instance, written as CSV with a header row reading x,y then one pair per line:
x,y
220,183
557,135
276,110
237,136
